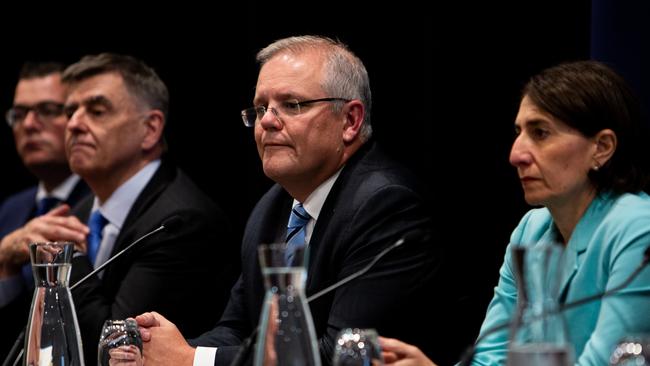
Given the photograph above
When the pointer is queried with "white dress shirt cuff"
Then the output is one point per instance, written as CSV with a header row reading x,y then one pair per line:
x,y
204,356
10,288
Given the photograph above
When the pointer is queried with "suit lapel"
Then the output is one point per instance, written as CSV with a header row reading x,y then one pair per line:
x,y
25,212
572,264
158,183
80,191
266,228
573,256
582,235
82,208
320,251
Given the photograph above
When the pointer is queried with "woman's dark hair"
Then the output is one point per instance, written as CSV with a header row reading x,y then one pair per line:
x,y
589,97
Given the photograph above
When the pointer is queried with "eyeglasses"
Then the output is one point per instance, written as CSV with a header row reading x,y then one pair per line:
x,y
289,108
45,112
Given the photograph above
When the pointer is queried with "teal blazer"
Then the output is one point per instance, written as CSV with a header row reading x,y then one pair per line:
x,y
605,248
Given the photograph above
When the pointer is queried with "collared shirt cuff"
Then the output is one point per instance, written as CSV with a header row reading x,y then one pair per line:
x,y
10,289
204,356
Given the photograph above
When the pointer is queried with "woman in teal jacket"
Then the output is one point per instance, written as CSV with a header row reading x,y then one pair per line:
x,y
580,152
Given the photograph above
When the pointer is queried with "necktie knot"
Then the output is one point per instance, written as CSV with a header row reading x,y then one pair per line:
x,y
44,205
96,225
296,230
298,219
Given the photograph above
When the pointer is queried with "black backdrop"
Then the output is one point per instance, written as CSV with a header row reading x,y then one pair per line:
x,y
445,82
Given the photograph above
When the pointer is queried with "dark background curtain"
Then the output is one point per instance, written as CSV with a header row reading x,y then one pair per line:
x,y
445,79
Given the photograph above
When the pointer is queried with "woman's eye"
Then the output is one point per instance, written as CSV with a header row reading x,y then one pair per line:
x,y
540,133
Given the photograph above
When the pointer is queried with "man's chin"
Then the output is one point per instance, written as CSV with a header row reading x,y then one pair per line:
x,y
272,173
42,161
36,157
79,167
277,171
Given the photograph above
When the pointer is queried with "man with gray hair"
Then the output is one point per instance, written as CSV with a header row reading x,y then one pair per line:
x,y
117,109
311,121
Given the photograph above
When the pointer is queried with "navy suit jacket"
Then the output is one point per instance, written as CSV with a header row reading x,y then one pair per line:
x,y
372,204
15,211
19,208
185,273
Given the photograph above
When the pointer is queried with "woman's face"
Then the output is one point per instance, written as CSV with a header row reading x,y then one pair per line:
x,y
552,159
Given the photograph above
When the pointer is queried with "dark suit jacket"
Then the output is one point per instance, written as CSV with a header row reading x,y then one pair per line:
x,y
15,211
185,273
19,208
371,205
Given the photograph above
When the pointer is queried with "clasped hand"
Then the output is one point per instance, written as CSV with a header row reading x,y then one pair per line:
x,y
56,225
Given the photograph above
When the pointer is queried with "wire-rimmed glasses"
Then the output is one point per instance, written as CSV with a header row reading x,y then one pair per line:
x,y
44,111
291,107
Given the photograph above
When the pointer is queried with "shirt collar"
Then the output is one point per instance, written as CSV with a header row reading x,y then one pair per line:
x,y
314,203
118,205
62,191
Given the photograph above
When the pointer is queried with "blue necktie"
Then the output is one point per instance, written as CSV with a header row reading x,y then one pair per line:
x,y
46,204
96,224
296,231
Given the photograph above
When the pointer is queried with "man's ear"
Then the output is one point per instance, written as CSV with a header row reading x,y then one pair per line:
x,y
354,111
154,123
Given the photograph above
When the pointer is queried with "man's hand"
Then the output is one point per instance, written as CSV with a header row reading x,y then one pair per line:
x,y
163,342
125,356
270,354
56,225
398,353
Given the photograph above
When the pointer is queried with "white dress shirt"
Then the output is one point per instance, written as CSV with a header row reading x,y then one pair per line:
x,y
117,207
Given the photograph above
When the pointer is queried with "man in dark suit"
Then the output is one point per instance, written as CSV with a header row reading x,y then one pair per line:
x,y
312,128
117,109
38,124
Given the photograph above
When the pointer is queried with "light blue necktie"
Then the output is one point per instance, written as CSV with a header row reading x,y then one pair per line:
x,y
96,224
296,231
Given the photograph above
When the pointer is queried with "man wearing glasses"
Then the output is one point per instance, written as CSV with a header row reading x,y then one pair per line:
x,y
116,110
311,123
38,124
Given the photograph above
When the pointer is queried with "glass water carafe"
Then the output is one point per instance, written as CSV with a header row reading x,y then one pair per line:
x,y
286,334
52,331
538,335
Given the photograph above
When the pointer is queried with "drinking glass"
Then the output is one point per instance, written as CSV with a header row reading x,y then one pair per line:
x,y
632,351
357,347
120,344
